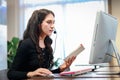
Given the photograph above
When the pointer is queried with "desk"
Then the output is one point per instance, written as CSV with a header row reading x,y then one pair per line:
x,y
87,76
3,75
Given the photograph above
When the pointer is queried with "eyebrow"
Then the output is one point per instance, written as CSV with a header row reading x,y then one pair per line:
x,y
50,20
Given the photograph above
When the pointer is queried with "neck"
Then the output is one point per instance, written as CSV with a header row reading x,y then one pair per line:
x,y
41,42
42,37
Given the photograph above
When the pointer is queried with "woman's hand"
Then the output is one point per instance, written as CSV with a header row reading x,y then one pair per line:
x,y
67,63
39,72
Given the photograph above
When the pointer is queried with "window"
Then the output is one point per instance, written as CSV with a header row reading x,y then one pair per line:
x,y
3,35
3,14
74,24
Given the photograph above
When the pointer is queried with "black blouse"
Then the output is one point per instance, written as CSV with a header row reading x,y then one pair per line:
x,y
26,60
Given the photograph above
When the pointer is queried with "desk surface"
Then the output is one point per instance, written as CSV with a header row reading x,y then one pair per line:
x,y
88,76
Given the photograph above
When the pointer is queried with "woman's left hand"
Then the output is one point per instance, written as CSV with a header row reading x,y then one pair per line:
x,y
67,63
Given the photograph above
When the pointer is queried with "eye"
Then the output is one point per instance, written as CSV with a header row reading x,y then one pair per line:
x,y
50,22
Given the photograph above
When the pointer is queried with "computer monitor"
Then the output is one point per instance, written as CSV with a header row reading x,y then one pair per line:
x,y
104,36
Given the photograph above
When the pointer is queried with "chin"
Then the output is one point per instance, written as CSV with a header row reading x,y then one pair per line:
x,y
49,34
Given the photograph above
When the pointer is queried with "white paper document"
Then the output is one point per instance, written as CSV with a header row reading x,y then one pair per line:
x,y
75,52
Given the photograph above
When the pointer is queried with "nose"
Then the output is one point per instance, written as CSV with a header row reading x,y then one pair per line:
x,y
52,26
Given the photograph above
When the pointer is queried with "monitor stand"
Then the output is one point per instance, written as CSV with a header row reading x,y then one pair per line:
x,y
117,56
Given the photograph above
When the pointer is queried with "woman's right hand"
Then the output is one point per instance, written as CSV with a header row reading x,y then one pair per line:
x,y
39,72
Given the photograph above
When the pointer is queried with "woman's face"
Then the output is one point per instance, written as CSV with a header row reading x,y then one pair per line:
x,y
47,25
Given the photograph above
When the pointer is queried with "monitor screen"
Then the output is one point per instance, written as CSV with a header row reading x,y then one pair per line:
x,y
104,30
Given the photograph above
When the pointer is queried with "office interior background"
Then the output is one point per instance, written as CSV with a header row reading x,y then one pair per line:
x,y
74,23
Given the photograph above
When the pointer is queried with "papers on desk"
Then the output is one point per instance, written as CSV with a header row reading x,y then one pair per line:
x,y
77,72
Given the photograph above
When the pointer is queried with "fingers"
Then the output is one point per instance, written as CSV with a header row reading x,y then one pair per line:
x,y
40,72
70,60
44,71
67,63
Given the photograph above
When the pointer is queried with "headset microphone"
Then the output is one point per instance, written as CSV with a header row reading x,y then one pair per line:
x,y
54,32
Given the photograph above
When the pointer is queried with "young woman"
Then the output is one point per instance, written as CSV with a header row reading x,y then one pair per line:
x,y
34,54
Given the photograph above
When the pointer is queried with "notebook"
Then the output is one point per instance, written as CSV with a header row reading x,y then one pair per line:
x,y
76,72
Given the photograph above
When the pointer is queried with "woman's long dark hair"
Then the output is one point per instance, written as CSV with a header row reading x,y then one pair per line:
x,y
33,31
